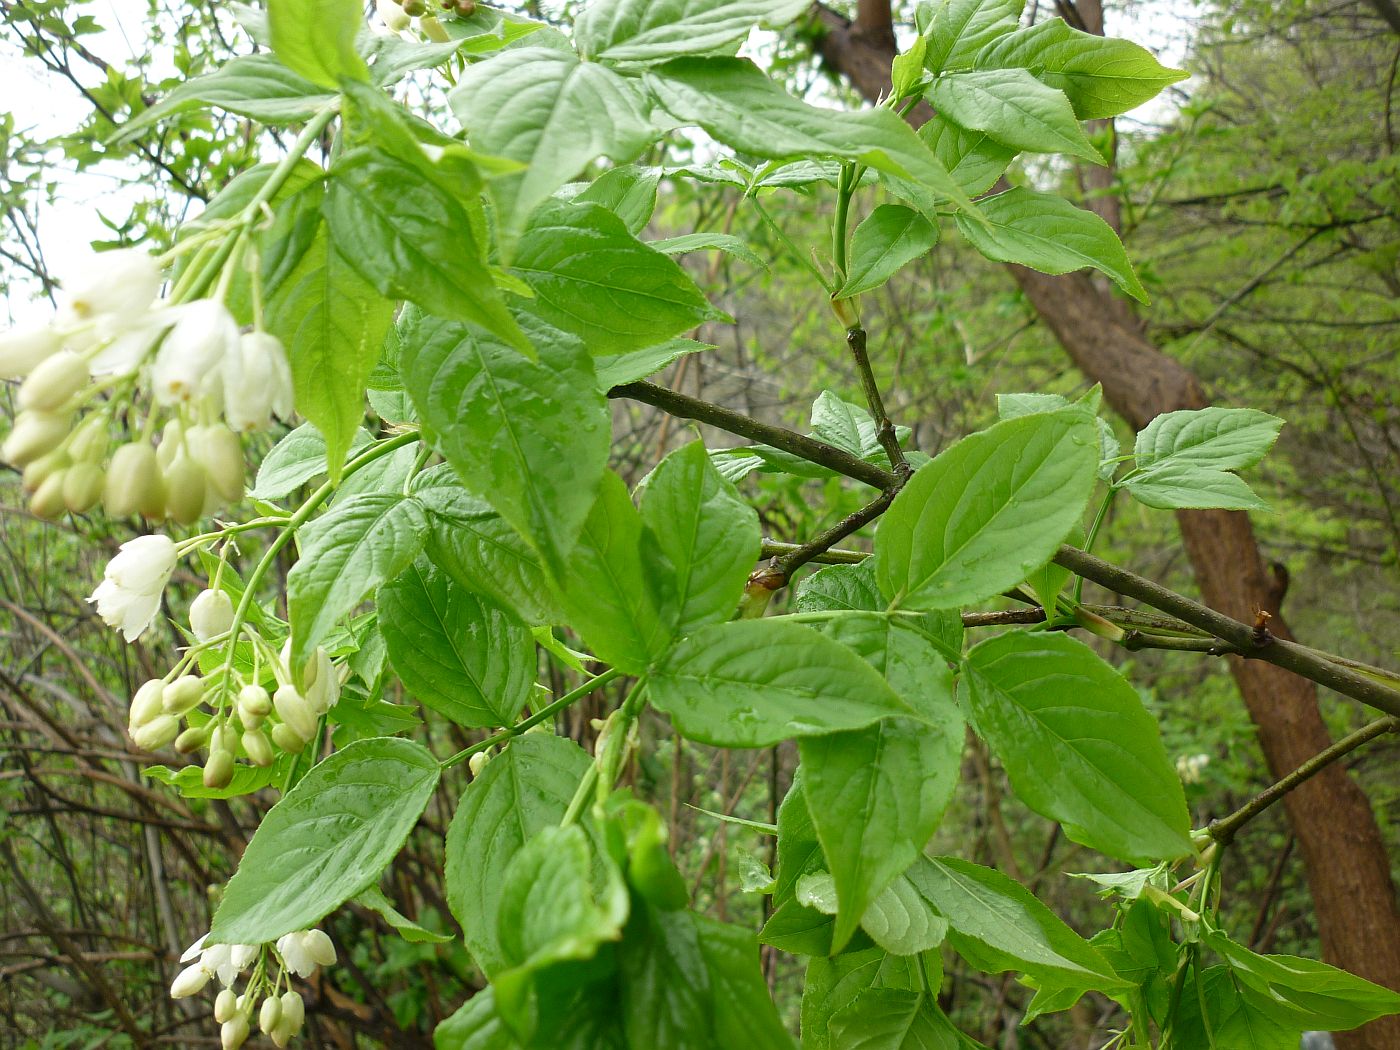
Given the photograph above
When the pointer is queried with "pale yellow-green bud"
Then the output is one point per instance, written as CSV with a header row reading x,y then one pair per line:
x,y
192,739
256,744
253,705
53,382
225,1006
293,709
218,771
219,449
155,734
234,1033
35,434
184,489
271,1014
147,703
24,349
211,614
47,501
183,694
287,738
172,436
89,441
477,763
133,482
37,472
82,486
293,1011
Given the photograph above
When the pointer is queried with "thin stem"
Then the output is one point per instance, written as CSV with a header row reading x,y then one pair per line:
x,y
791,560
844,191
542,715
884,428
833,556
1225,829
793,250
810,449
1093,535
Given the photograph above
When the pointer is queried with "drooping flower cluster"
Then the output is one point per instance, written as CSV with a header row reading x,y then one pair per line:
x,y
398,15
282,1013
206,383
1190,768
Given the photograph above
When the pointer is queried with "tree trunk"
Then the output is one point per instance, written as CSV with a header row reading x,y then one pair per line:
x,y
1344,856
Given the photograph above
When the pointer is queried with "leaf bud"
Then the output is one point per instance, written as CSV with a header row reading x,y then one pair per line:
x,y
225,1005
134,482
211,614
24,349
47,501
155,734
53,382
183,694
218,771
82,487
147,703
294,711
35,433
255,743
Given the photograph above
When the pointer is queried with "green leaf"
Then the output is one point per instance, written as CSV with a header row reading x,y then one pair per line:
x,y
475,1026
374,899
256,86
973,158
1233,1020
891,1019
529,437
891,237
902,922
297,458
1103,77
665,986
615,592
549,913
629,192
1078,745
1015,109
752,683
189,780
1049,234
651,31
958,29
742,1009
474,545
592,278
708,241
346,553
553,113
1310,994
409,235
326,840
854,588
616,369
521,792
333,326
316,38
996,925
1213,438
833,984
738,104
708,533
987,511
1174,486
458,653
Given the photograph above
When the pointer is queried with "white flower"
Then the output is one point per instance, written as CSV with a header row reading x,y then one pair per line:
x,y
227,961
393,15
193,951
257,382
128,597
305,950
189,981
119,284
211,614
189,361
322,682
129,345
1190,767
22,349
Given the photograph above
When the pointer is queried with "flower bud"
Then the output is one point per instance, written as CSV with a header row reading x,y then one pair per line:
x,y
35,433
82,486
397,19
47,501
414,8
211,614
53,382
259,751
147,703
293,1011
477,762
287,738
225,1005
294,711
192,739
466,8
253,704
121,284
23,349
185,483
188,363
183,694
218,771
134,482
37,472
189,981
89,441
271,1014
234,1032
221,454
172,436
156,733
432,28
322,682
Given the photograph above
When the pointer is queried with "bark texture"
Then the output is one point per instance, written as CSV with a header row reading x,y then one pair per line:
x,y
1344,856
